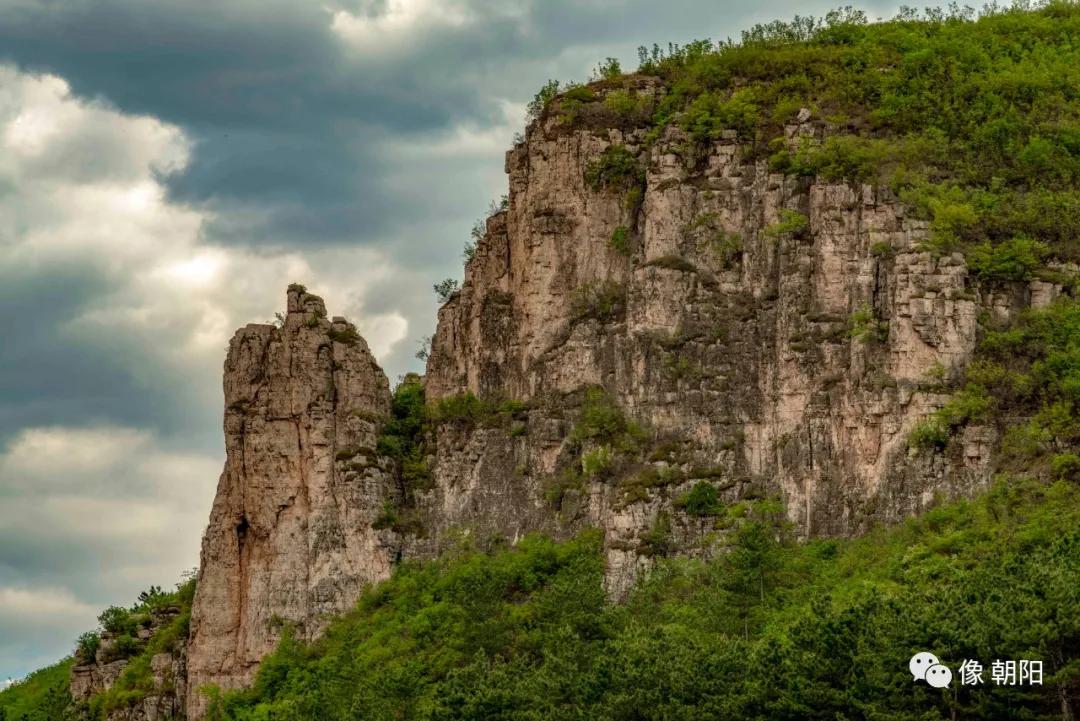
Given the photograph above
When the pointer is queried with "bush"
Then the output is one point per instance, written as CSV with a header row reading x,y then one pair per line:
x,y
603,300
461,408
617,169
347,336
1014,260
446,289
930,434
87,646
117,620
542,99
863,325
791,223
620,240
702,500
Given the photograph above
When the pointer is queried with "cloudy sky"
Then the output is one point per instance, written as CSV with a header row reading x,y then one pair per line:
x,y
167,168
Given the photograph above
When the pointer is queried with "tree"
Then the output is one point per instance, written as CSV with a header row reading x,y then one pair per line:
x,y
445,289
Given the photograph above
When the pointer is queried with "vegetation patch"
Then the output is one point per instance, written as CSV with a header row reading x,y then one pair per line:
x,y
602,300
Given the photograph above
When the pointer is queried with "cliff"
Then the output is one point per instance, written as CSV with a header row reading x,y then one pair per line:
x,y
290,538
762,334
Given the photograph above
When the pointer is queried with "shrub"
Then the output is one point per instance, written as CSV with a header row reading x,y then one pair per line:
x,y
598,462
929,434
702,500
617,169
620,240
542,99
791,223
728,247
609,69
117,620
346,336
446,289
863,325
87,646
461,408
1014,260
603,300
1066,466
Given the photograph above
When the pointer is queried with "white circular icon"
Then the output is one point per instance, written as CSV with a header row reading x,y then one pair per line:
x,y
920,662
938,676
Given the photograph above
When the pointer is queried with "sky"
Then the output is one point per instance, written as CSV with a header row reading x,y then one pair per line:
x,y
168,168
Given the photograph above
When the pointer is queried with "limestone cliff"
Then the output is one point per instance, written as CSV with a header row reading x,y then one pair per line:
x,y
290,538
763,334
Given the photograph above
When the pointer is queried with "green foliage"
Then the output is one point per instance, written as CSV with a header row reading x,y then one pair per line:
x,y
1014,260
609,69
702,500
446,289
42,696
602,421
769,630
790,222
403,436
348,335
460,408
1029,370
542,99
863,325
136,682
975,120
598,462
87,645
620,240
617,169
602,299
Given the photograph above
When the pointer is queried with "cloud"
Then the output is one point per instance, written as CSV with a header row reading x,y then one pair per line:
x,y
118,308
166,169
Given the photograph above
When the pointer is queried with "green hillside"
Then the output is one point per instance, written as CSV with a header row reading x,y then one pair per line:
x,y
42,696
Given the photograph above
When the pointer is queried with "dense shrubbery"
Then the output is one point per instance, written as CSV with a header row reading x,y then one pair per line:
x,y
773,630
975,122
1030,370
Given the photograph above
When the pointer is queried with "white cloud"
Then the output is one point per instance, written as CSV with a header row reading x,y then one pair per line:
x,y
87,190
40,605
93,511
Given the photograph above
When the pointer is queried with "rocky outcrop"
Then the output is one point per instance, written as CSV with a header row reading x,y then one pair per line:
x,y
290,538
773,334
165,694
762,334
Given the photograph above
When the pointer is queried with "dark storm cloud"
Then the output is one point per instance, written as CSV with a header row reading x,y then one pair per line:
x,y
290,119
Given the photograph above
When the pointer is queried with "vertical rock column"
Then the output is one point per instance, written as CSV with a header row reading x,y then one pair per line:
x,y
290,540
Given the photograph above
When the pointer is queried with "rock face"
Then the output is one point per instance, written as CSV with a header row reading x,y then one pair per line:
x,y
290,538
168,673
772,334
765,334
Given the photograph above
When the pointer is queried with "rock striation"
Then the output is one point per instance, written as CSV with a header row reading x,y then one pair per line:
x,y
762,334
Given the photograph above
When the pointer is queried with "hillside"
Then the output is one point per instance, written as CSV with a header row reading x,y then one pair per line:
x,y
761,378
